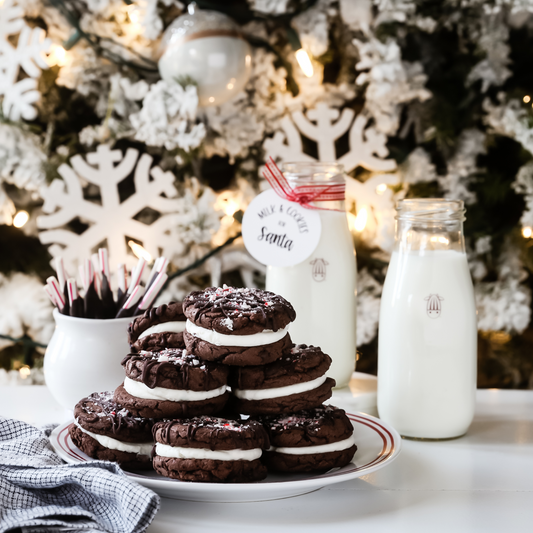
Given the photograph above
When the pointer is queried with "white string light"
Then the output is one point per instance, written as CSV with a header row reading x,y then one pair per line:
x,y
139,251
305,62
20,219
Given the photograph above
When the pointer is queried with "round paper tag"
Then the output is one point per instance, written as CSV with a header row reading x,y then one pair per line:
x,y
278,232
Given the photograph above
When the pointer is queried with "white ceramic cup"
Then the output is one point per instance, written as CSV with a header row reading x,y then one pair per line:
x,y
84,356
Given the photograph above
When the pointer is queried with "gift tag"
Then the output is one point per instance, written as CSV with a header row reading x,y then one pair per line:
x,y
278,232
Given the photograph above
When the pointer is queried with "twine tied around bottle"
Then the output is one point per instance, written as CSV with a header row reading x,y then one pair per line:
x,y
303,194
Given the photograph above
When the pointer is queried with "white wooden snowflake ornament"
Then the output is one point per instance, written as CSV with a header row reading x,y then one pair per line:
x,y
367,146
29,54
112,221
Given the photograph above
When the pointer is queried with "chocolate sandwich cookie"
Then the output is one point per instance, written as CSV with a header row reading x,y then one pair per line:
x,y
295,382
237,326
209,449
172,384
106,430
306,441
158,328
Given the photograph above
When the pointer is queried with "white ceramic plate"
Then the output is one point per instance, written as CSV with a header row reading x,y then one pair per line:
x,y
377,445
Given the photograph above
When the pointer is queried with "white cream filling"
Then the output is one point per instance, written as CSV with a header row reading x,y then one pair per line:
x,y
278,392
323,448
140,390
165,327
114,444
179,452
266,336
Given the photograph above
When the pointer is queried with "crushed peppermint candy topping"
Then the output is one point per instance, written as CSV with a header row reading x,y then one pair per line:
x,y
176,356
306,418
102,404
232,302
217,423
228,323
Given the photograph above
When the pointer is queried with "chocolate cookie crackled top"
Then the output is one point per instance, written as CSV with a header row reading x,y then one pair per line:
x,y
210,449
104,429
158,328
313,439
296,381
172,383
237,326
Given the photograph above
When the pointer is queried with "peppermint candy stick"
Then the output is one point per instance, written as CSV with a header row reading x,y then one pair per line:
x,y
152,292
53,283
88,274
83,278
122,296
104,261
62,279
121,277
93,307
129,306
50,292
154,271
98,283
75,301
136,275
61,275
160,265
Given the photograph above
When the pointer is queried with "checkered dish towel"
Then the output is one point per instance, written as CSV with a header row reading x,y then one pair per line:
x,y
40,493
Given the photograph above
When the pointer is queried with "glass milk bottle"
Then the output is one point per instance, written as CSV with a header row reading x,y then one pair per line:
x,y
322,289
427,349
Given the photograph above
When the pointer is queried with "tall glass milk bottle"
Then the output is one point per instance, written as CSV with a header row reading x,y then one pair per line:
x,y
322,289
427,349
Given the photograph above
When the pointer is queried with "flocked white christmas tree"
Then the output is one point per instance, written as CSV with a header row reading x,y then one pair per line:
x,y
112,222
29,54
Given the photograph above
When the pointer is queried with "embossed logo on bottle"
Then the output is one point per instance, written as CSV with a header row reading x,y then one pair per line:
x,y
434,306
319,269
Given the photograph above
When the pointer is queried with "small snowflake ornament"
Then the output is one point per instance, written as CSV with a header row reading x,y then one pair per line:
x,y
29,54
113,221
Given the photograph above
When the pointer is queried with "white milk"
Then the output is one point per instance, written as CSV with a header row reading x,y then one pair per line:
x,y
427,345
322,290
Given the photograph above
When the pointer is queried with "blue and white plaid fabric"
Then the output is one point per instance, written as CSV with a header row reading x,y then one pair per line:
x,y
40,493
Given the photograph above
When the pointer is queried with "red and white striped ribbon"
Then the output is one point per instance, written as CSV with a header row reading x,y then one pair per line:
x,y
304,194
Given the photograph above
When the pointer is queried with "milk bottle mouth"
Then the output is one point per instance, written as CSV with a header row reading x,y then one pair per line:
x,y
315,172
427,210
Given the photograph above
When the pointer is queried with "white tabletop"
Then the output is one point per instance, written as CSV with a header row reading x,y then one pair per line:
x,y
481,482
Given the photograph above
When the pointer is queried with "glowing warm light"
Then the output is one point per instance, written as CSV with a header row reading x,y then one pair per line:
x,y
20,218
227,202
231,207
25,370
441,239
380,189
527,232
527,99
231,84
361,219
305,62
133,13
57,56
139,251
211,99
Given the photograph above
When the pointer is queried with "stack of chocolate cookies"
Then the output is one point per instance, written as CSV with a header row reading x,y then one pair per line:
x,y
116,426
227,394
